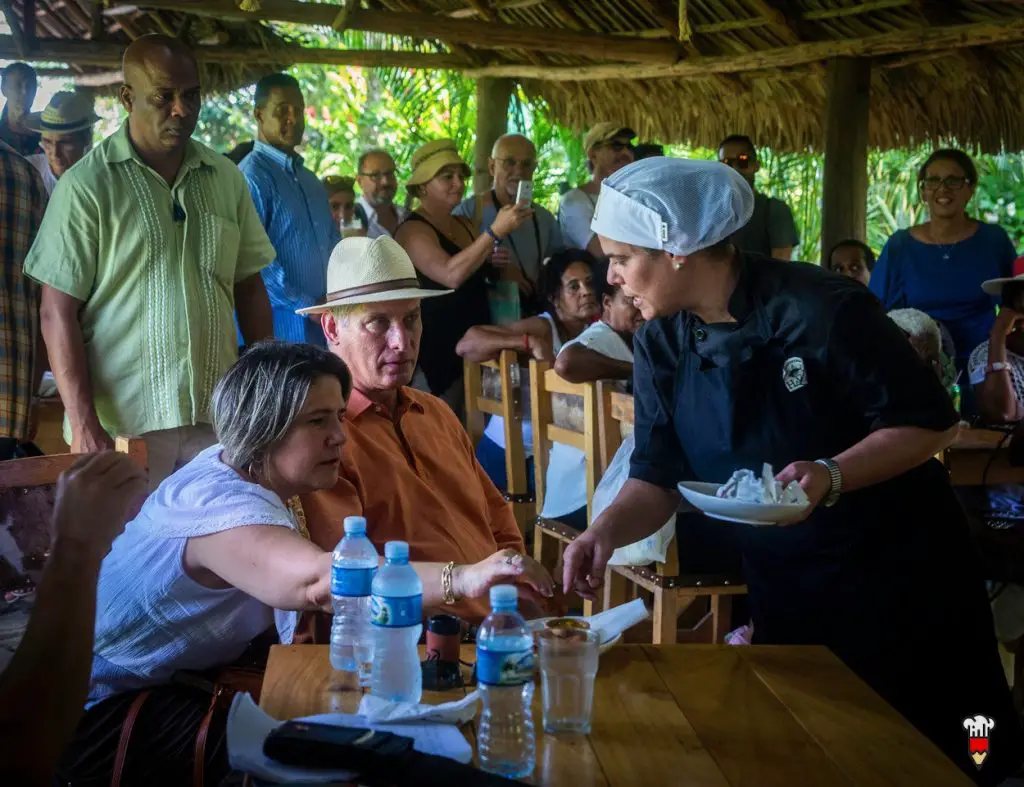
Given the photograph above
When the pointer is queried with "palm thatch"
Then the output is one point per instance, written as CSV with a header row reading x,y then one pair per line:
x,y
675,70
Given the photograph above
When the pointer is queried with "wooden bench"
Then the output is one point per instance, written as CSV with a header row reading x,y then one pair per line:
x,y
673,592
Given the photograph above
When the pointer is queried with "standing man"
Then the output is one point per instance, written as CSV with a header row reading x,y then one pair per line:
x,y
609,149
771,230
66,130
293,206
18,86
514,159
22,202
146,250
377,183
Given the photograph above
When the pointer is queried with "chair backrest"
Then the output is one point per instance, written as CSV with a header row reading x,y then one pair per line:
x,y
482,401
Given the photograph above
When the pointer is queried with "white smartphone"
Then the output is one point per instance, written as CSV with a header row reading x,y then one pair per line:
x,y
524,193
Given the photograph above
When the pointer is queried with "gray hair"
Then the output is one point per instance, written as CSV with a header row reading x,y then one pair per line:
x,y
258,400
506,137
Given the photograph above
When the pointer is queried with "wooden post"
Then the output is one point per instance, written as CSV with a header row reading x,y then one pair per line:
x,y
845,187
492,96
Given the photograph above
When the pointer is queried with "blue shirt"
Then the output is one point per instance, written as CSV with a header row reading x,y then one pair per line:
x,y
916,275
293,206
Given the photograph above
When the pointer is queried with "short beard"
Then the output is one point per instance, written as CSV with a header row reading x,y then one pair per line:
x,y
376,200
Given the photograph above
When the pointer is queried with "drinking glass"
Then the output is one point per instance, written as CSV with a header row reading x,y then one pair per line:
x,y
568,665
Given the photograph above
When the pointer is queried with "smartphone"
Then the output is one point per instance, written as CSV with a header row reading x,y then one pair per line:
x,y
524,193
328,746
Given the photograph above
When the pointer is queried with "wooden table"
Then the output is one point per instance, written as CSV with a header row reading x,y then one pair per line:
x,y
981,456
695,715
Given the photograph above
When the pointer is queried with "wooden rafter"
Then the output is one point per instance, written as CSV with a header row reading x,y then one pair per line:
x,y
954,37
501,5
486,35
17,35
777,20
665,16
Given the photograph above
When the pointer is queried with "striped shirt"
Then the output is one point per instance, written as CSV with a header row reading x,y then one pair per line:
x,y
155,267
293,206
22,201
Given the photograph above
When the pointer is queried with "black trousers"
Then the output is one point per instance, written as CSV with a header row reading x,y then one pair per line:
x,y
162,747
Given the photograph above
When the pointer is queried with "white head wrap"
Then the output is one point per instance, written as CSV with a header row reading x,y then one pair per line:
x,y
676,205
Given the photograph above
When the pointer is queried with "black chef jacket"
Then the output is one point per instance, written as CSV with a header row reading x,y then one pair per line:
x,y
886,578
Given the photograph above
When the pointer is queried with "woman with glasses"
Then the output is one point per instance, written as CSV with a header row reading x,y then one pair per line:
x,y
938,266
449,255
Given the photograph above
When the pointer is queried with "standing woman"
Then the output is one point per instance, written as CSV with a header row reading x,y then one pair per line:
x,y
938,266
448,255
745,360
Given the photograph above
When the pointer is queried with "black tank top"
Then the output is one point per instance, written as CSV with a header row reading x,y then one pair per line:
x,y
446,319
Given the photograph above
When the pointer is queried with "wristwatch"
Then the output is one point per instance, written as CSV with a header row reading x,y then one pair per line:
x,y
835,478
996,366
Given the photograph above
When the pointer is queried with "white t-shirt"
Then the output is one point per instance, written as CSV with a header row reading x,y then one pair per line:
x,y
566,485
575,212
42,165
979,360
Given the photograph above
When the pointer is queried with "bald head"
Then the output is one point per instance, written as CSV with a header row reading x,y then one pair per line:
x,y
513,158
161,93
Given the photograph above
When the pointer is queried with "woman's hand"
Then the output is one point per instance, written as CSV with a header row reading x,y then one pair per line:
x,y
1006,323
504,567
540,348
813,478
509,218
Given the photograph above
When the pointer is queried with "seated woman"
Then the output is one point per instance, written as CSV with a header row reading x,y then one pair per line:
x,y
214,559
927,338
996,366
567,285
853,259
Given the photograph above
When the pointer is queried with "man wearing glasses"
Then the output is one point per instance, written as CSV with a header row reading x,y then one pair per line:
x,y
376,206
608,149
513,160
771,230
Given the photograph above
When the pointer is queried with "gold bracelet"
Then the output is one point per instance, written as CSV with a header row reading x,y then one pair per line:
x,y
446,584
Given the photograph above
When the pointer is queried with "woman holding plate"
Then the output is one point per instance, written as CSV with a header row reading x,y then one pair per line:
x,y
744,361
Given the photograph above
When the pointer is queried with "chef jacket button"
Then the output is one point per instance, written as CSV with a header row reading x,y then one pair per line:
x,y
700,334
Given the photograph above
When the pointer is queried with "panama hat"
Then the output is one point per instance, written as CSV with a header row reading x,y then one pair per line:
x,y
431,158
995,286
605,132
364,270
65,114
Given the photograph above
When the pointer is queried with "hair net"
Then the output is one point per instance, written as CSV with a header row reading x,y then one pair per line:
x,y
676,205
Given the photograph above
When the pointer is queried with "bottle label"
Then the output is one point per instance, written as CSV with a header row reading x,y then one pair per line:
x,y
504,668
352,581
396,611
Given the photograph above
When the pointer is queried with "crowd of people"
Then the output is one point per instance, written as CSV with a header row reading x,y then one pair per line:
x,y
291,350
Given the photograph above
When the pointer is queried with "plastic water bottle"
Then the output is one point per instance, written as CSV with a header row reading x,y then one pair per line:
x,y
352,571
397,614
504,671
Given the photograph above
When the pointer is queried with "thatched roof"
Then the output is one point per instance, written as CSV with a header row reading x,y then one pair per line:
x,y
676,70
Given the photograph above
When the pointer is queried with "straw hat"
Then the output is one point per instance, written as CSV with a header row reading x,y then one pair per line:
x,y
995,286
65,114
431,158
362,270
605,132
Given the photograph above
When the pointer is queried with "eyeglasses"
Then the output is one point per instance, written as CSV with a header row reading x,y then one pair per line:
x,y
742,161
379,176
527,164
951,182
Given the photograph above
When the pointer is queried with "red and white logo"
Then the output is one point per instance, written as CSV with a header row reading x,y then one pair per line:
x,y
978,729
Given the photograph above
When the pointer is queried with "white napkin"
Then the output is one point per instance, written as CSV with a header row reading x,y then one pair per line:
x,y
248,727
381,711
612,622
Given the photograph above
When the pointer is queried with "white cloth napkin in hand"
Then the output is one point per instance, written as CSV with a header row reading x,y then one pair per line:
x,y
381,711
612,622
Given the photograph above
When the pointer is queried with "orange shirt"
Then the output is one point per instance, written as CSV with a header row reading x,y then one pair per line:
x,y
415,479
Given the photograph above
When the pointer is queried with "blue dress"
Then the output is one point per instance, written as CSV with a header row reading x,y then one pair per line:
x,y
945,281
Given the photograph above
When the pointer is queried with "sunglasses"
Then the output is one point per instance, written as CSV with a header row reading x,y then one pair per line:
x,y
332,181
742,161
951,182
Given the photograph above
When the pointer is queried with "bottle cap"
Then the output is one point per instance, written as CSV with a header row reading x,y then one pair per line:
x,y
504,596
355,526
396,550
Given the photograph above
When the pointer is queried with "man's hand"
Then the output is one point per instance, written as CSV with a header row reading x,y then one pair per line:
x,y
584,561
90,438
1007,321
813,478
504,567
93,499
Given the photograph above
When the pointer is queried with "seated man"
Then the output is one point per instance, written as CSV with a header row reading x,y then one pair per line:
x,y
409,466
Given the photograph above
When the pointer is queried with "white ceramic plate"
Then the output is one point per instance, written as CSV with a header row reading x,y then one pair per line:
x,y
538,625
702,495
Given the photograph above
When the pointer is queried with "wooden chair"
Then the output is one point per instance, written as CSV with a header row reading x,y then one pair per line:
x,y
479,405
550,536
673,592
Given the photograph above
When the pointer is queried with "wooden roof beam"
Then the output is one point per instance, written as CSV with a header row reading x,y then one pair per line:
x,y
930,39
17,35
500,5
485,35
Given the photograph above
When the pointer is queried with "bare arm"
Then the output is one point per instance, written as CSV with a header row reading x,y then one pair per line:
x,y
887,453
62,332
432,261
996,398
253,307
579,364
783,253
485,342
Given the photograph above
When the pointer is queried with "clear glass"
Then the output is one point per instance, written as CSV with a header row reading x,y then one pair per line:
x,y
568,666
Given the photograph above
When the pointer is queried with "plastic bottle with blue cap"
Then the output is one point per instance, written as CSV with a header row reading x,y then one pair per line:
x,y
353,567
396,609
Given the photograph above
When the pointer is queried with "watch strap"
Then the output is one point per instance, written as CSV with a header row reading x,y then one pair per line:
x,y
835,476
